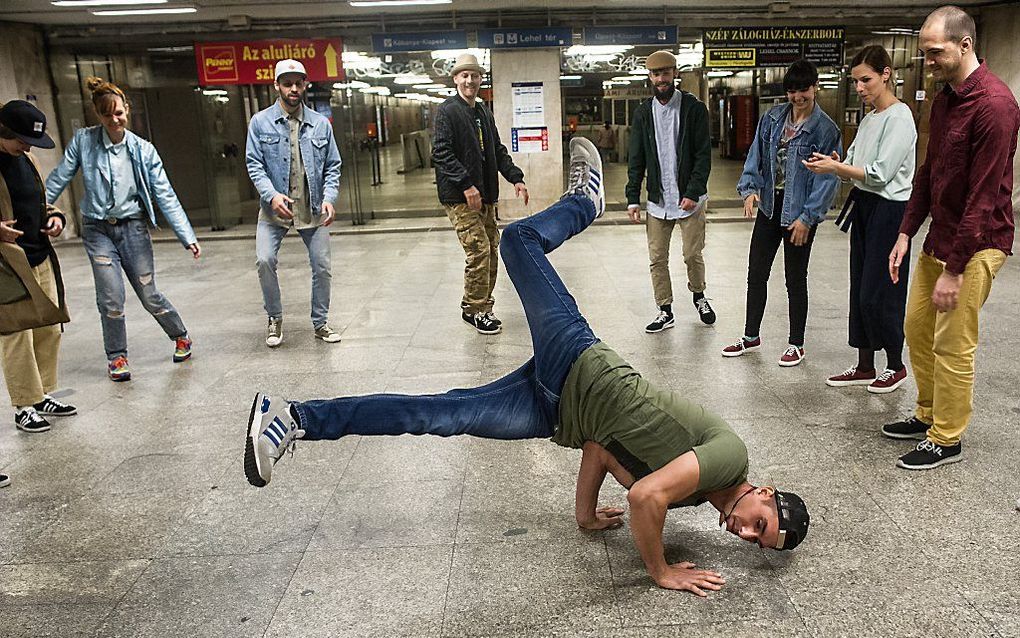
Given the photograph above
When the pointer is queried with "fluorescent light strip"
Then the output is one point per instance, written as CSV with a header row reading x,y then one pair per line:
x,y
102,3
144,12
394,3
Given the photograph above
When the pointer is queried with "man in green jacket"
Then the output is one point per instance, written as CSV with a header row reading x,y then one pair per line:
x,y
671,144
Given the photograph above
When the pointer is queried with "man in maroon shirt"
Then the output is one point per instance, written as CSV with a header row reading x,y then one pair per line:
x,y
965,186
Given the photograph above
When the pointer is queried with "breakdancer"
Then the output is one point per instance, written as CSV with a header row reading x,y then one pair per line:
x,y
665,450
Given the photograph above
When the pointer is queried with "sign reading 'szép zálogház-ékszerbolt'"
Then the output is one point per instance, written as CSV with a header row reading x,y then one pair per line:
x,y
254,62
747,47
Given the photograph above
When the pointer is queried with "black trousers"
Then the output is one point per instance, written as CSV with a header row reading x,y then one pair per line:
x,y
877,305
766,237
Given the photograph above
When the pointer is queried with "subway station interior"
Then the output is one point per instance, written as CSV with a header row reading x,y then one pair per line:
x,y
134,517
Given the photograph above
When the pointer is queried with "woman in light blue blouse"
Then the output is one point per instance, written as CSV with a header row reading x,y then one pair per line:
x,y
123,174
880,163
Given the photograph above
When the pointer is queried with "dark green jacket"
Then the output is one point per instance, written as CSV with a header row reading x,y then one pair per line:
x,y
693,152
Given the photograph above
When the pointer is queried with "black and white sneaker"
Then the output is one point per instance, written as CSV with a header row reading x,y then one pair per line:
x,y
272,430
927,455
28,420
482,323
4,480
912,428
51,407
663,321
705,311
493,318
586,174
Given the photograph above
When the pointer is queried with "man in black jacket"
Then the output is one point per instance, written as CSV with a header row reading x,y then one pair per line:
x,y
467,155
671,144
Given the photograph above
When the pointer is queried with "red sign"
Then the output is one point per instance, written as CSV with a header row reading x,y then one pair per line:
x,y
255,62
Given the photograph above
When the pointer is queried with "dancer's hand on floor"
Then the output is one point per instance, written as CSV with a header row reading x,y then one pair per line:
x,y
605,518
684,576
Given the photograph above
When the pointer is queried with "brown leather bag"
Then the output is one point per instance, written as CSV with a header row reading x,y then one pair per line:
x,y
23,303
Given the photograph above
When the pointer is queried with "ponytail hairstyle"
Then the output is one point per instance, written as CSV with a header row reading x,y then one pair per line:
x,y
104,95
876,57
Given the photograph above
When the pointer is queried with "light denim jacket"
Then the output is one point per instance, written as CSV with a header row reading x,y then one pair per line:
x,y
86,151
268,157
807,196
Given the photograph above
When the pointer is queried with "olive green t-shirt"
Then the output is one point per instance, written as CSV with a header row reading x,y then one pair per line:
x,y
606,401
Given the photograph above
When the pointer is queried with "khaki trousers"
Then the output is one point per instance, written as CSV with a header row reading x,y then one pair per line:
x,y
942,344
29,357
480,239
692,232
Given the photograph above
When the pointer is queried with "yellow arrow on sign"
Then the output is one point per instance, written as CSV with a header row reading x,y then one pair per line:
x,y
332,68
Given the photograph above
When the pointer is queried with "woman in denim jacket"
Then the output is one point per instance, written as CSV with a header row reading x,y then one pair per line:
x,y
791,202
123,173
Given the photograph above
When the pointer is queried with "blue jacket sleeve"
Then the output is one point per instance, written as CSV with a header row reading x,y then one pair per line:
x,y
822,188
65,171
752,179
331,177
166,198
257,167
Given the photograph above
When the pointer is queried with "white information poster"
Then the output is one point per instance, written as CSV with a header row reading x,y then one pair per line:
x,y
529,140
529,106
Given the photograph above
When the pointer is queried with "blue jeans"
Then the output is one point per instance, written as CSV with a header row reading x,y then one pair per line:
x,y
125,246
522,405
267,246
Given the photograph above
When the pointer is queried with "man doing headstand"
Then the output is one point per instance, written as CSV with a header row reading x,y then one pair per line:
x,y
664,449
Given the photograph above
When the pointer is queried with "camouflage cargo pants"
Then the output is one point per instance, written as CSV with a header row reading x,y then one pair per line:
x,y
480,239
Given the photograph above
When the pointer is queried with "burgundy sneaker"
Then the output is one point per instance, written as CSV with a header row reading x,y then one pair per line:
x,y
793,356
740,347
888,381
851,376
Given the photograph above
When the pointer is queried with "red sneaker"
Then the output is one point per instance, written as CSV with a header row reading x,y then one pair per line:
x,y
740,347
888,381
851,376
793,356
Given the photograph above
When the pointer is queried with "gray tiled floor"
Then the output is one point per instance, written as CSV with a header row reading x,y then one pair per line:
x,y
134,518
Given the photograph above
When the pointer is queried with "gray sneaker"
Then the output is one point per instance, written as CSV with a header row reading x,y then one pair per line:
x,y
274,332
327,334
272,430
586,174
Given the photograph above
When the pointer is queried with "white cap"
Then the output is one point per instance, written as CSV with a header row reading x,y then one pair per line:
x,y
289,66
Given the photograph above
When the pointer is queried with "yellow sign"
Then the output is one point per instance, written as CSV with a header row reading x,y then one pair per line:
x,y
730,57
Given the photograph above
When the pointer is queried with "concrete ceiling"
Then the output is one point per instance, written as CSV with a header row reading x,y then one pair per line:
x,y
216,15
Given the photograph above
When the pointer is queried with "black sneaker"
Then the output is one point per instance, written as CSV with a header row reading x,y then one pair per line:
x,y
51,407
493,318
4,480
927,455
704,310
661,322
28,420
912,428
481,323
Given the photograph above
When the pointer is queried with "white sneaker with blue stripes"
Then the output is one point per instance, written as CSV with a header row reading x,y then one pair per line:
x,y
586,173
272,430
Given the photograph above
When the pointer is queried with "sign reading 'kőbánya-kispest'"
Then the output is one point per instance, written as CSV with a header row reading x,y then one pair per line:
x,y
254,62
746,47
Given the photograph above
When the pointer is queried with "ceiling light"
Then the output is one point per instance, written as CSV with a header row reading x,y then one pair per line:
x,y
180,49
570,77
353,84
408,78
719,74
429,86
394,3
144,12
597,49
453,54
101,3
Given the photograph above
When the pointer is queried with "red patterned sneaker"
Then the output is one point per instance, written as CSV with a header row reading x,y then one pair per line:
x,y
793,356
851,376
741,346
888,381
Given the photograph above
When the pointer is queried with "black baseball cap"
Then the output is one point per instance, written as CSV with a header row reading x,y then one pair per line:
x,y
26,122
793,520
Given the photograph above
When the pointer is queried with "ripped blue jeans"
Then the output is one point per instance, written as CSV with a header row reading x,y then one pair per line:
x,y
522,405
125,247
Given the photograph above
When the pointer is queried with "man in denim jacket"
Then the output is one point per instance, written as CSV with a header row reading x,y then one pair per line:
x,y
295,165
